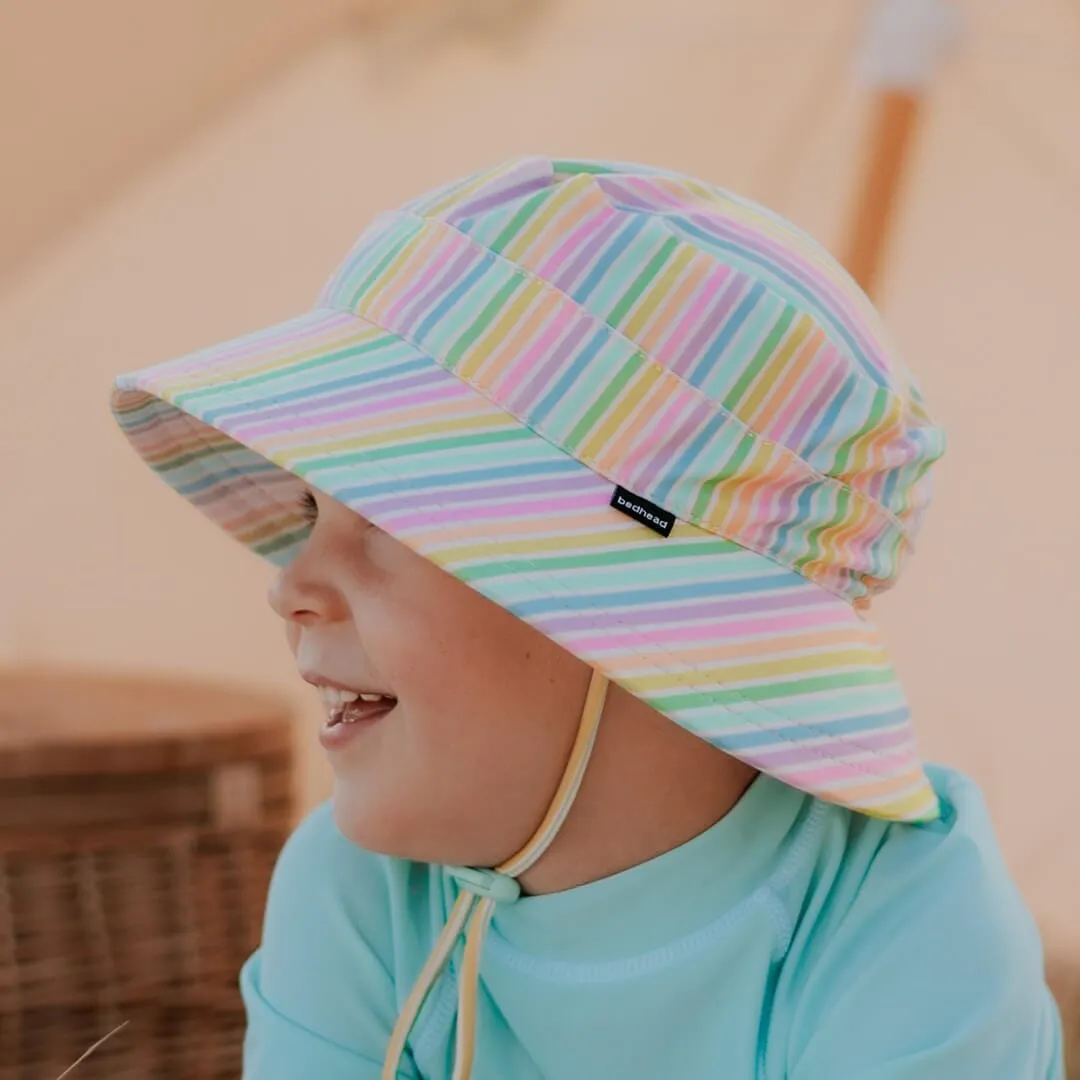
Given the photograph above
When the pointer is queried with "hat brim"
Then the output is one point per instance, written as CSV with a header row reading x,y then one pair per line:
x,y
749,655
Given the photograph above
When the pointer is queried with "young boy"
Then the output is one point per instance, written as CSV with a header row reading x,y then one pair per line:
x,y
580,478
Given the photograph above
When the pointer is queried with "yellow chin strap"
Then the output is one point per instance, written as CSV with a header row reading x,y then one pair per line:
x,y
481,891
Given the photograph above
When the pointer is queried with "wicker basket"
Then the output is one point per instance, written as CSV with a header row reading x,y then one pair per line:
x,y
1063,974
139,824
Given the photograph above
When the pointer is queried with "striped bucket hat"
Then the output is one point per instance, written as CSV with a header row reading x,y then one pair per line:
x,y
650,418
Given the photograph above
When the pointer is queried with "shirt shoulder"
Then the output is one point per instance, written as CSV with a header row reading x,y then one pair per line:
x,y
325,981
915,955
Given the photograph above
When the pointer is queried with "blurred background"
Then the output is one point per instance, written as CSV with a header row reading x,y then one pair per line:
x,y
172,175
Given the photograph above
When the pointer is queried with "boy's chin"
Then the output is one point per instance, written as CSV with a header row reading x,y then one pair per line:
x,y
388,827
381,826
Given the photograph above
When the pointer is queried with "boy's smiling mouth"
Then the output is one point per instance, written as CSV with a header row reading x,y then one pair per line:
x,y
349,706
348,711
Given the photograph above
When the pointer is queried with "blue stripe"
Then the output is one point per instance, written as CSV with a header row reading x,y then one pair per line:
x,y
298,394
676,471
703,365
454,479
848,725
889,488
801,515
794,284
562,387
221,474
453,296
829,417
613,251
623,598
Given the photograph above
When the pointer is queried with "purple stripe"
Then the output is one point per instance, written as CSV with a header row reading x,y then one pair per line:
x,y
503,195
569,274
381,390
422,279
721,307
457,268
897,739
296,421
502,511
478,493
543,378
821,400
675,443
842,308
627,195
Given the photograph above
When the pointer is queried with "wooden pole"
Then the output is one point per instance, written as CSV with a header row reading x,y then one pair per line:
x,y
896,114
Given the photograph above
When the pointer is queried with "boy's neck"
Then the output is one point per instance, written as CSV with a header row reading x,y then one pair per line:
x,y
649,787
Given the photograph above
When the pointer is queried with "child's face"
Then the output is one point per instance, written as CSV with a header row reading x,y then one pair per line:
x,y
462,767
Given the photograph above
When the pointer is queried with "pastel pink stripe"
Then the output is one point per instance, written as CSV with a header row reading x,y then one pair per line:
x,y
825,615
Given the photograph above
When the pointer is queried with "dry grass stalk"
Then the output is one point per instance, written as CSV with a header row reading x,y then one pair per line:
x,y
88,1052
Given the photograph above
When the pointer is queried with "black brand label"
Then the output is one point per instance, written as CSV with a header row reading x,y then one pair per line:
x,y
655,517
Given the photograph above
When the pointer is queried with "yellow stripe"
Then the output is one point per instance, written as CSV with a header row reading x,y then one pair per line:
x,y
920,805
861,634
378,298
520,244
396,436
529,546
766,379
517,342
646,379
916,803
459,194
753,470
735,675
498,332
389,273
167,389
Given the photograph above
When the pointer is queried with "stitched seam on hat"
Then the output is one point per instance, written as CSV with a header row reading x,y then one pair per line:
x,y
534,573
590,463
804,465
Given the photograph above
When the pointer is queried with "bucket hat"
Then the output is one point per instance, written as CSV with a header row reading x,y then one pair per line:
x,y
652,419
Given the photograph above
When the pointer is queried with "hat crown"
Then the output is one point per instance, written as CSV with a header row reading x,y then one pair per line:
x,y
685,343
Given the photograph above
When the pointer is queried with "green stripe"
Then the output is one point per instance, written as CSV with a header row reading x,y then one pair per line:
x,y
877,411
280,541
656,264
483,320
186,459
730,468
230,390
761,357
428,446
651,553
520,219
792,688
813,536
583,167
384,262
603,402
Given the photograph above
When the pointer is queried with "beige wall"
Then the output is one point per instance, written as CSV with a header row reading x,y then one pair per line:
x,y
92,92
100,564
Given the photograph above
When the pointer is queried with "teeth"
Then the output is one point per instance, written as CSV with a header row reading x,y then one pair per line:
x,y
334,698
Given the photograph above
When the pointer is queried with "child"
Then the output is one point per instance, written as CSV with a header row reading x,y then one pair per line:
x,y
556,424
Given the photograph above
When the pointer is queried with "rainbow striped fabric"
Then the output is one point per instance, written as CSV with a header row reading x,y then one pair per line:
x,y
490,361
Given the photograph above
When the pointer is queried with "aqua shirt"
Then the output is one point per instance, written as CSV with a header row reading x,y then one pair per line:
x,y
793,940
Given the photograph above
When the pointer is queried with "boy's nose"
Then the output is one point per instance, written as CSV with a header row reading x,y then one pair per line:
x,y
300,601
